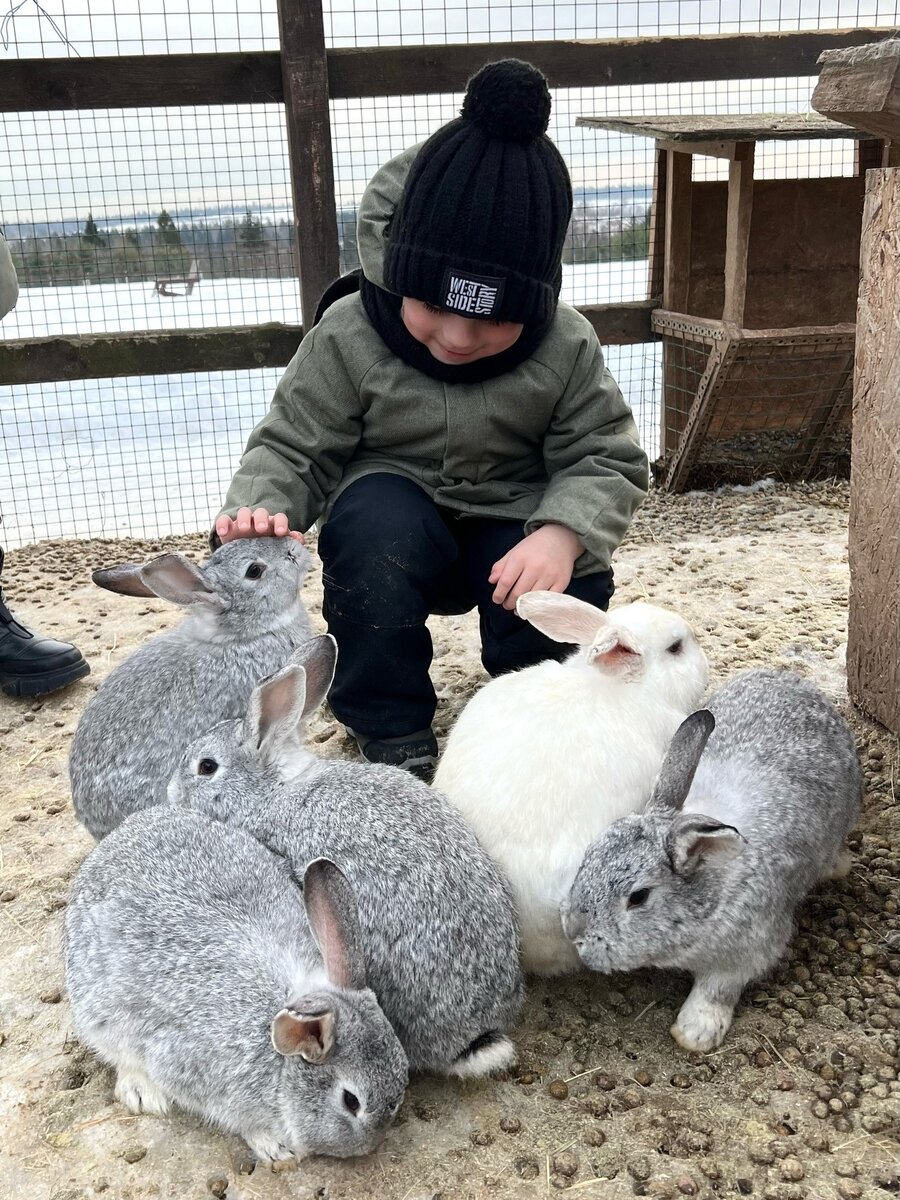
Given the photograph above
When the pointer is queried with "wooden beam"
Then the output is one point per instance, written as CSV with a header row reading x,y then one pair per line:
x,y
305,75
170,80
616,62
861,87
233,348
622,324
166,352
140,81
737,235
712,149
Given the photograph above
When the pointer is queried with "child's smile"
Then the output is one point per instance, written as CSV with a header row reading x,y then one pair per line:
x,y
454,339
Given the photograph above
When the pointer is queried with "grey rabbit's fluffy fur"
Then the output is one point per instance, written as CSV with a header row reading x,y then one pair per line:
x,y
244,619
197,969
436,912
734,836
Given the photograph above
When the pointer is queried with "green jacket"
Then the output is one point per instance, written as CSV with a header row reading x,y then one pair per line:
x,y
551,440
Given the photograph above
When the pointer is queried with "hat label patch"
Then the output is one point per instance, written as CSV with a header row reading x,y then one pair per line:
x,y
471,295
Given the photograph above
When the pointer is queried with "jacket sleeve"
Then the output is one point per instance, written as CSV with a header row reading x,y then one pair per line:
x,y
598,471
295,456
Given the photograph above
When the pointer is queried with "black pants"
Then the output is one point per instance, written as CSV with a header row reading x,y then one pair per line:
x,y
391,557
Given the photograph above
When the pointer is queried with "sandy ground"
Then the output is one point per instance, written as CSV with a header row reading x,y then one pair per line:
x,y
801,1101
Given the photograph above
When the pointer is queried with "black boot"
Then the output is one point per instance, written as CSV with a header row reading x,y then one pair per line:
x,y
31,664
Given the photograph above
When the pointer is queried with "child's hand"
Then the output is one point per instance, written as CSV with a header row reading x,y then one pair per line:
x,y
543,561
255,524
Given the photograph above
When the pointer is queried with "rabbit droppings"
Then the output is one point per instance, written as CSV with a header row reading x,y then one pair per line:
x,y
542,760
708,877
197,970
245,617
436,913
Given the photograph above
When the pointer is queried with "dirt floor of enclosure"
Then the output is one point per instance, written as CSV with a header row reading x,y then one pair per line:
x,y
802,1101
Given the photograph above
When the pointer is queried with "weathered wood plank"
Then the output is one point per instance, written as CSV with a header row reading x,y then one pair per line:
x,y
140,81
861,87
622,324
675,294
133,81
737,236
165,352
305,73
234,348
657,232
873,650
711,128
616,62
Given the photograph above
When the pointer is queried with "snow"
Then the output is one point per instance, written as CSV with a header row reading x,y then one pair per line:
x,y
152,455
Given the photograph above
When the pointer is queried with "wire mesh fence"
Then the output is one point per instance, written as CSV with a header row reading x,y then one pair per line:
x,y
175,217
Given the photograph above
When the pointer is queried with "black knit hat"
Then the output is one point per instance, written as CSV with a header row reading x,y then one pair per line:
x,y
480,226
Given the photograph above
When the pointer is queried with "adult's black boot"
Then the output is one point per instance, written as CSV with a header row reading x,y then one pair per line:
x,y
31,664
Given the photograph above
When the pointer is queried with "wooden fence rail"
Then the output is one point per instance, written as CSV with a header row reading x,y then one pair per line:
x,y
306,76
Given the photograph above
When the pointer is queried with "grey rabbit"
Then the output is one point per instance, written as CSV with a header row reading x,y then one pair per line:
x,y
197,969
735,834
436,912
244,618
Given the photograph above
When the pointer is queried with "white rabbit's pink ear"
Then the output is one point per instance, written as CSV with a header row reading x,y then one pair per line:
x,y
562,618
334,921
695,839
615,652
309,1034
175,578
271,725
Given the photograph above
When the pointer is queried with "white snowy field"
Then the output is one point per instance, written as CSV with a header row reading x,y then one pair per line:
x,y
152,455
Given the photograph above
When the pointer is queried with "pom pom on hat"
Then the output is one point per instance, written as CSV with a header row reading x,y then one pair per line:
x,y
508,99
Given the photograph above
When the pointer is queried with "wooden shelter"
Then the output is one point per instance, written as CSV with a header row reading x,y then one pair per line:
x,y
757,281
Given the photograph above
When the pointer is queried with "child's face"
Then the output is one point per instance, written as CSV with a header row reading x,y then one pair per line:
x,y
454,339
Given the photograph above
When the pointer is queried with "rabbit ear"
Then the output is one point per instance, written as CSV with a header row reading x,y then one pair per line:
x,y
331,909
124,579
681,761
175,578
318,658
615,652
309,1034
695,839
562,618
276,709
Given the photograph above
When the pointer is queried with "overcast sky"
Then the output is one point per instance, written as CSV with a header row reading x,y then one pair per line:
x,y
119,162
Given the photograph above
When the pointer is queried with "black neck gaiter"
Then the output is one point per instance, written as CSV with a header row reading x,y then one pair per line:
x,y
383,310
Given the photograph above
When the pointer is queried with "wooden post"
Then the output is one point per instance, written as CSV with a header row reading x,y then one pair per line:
x,y
737,237
873,651
304,69
657,231
676,281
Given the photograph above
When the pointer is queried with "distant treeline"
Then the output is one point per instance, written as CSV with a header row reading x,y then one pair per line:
x,y
250,246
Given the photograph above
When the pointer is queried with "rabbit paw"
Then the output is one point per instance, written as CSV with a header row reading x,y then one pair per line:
x,y
702,1025
140,1094
269,1149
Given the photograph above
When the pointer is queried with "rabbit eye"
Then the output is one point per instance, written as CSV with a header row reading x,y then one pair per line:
x,y
636,899
207,766
254,571
351,1102
675,648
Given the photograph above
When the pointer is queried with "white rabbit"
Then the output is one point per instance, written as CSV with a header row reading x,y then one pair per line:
x,y
542,760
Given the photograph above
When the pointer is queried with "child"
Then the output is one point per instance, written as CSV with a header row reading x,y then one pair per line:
x,y
452,428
